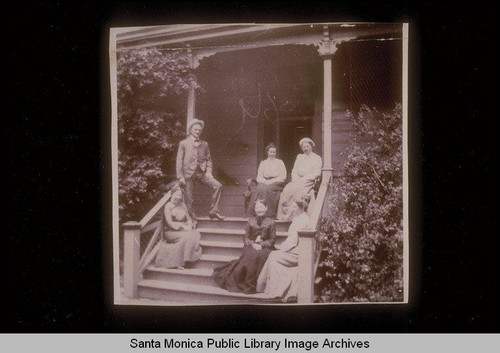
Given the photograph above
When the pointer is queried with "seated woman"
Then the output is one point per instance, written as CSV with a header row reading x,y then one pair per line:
x,y
270,178
182,240
241,275
278,278
306,170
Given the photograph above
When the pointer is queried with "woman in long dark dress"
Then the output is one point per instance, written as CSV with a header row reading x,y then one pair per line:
x,y
241,275
271,177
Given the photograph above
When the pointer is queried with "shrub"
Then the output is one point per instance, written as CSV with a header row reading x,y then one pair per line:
x,y
152,99
362,236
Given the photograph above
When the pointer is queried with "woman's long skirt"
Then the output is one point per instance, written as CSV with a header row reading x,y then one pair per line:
x,y
290,193
278,278
241,275
181,246
270,194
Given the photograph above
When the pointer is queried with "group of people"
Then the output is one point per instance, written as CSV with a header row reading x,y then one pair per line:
x,y
263,266
271,177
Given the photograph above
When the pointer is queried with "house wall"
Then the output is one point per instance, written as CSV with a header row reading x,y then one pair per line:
x,y
233,145
242,94
341,138
235,160
243,89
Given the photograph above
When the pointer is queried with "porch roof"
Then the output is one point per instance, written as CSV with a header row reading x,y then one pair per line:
x,y
201,37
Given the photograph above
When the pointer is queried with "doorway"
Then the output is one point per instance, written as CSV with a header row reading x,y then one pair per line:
x,y
291,131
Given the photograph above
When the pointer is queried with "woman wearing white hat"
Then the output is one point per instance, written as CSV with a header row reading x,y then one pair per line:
x,y
306,170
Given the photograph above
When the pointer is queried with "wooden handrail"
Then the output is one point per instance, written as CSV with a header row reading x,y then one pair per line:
x,y
149,258
134,263
158,234
322,195
151,226
320,200
308,256
149,216
152,242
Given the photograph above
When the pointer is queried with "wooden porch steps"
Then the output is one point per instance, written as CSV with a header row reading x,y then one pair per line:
x,y
208,261
221,248
235,223
230,236
194,293
221,241
188,275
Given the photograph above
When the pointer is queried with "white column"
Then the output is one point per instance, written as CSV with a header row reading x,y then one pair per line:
x,y
191,93
327,50
327,113
191,102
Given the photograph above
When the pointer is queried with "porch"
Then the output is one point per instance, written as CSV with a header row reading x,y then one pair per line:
x,y
261,84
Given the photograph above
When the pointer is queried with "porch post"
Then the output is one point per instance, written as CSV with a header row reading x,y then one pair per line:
x,y
131,257
191,92
326,50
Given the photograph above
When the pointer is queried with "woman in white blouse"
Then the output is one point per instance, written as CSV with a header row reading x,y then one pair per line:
x,y
306,170
271,176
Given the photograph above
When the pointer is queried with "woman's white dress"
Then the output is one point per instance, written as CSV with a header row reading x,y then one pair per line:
x,y
306,169
271,176
278,278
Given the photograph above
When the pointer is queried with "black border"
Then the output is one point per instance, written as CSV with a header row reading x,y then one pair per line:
x,y
56,187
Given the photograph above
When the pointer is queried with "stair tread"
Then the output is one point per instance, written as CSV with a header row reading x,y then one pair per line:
x,y
234,219
232,231
206,272
221,244
222,258
198,288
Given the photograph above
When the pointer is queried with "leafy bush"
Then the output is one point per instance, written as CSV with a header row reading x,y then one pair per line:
x,y
152,103
362,236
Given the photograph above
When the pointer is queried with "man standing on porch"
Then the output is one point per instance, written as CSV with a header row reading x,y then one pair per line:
x,y
194,163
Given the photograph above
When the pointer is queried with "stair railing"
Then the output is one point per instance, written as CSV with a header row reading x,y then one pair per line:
x,y
141,242
309,248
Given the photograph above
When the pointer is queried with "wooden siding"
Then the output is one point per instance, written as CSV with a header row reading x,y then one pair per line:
x,y
234,155
341,138
241,164
232,201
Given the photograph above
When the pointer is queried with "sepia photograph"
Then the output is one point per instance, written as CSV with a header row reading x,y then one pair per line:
x,y
260,164
230,173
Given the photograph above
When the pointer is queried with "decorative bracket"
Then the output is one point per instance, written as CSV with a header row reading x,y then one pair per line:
x,y
327,48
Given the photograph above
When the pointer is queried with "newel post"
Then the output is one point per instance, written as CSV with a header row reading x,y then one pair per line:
x,y
132,245
305,283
